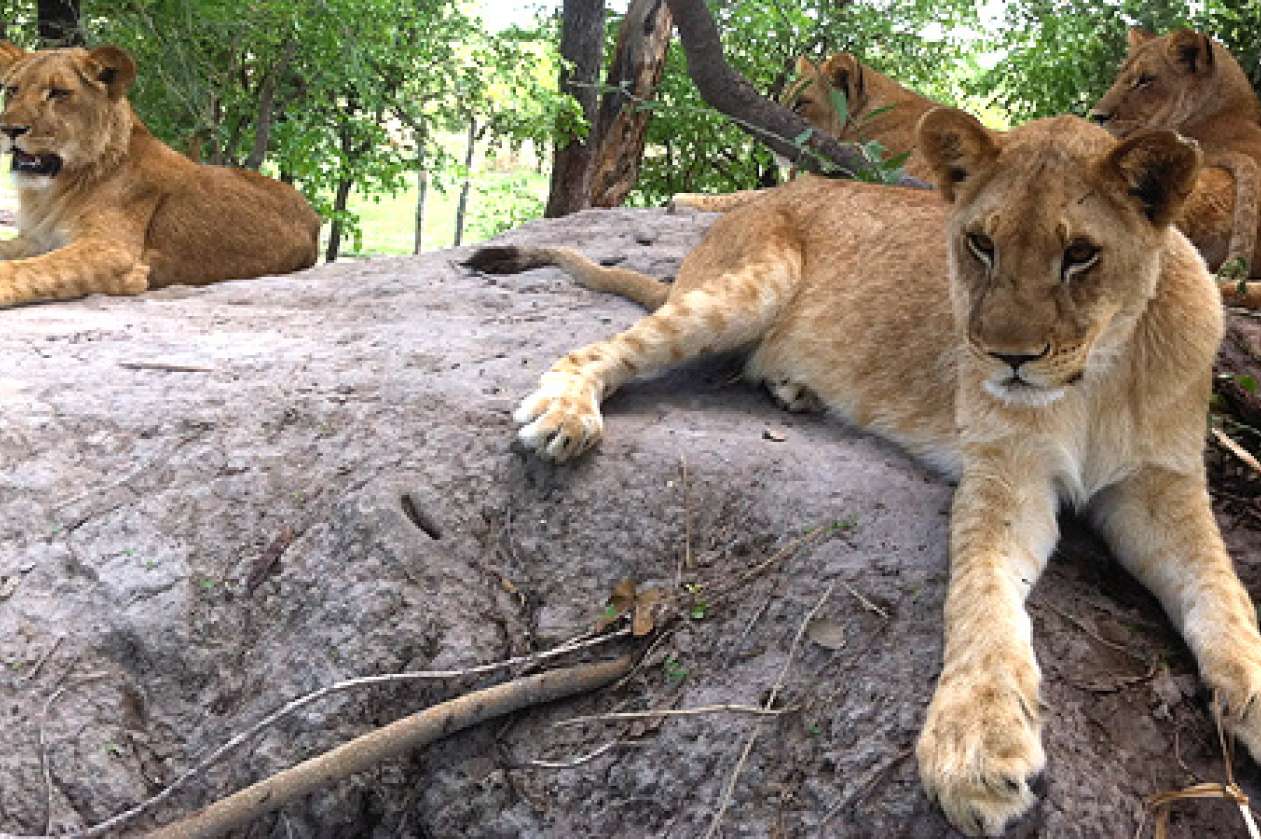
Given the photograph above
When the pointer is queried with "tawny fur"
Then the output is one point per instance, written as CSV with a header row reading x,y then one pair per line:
x,y
1220,216
1189,83
124,212
1057,266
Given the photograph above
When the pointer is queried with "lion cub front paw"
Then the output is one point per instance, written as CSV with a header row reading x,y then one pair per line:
x,y
1235,679
561,419
980,747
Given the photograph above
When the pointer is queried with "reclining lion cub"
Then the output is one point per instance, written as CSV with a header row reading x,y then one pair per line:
x,y
1053,348
105,207
1188,82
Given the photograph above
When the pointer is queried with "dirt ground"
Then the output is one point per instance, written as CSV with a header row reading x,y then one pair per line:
x,y
155,451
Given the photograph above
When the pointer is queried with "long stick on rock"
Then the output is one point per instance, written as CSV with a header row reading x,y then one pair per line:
x,y
411,732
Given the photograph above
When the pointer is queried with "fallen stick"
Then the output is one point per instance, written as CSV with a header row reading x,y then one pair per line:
x,y
411,732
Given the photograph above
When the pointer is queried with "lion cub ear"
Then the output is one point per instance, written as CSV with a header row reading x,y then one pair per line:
x,y
956,146
1137,36
1191,50
846,75
10,54
1158,169
112,67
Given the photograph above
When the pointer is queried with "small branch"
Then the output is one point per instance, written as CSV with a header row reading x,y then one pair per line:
x,y
400,736
579,761
291,707
1237,450
729,790
867,604
675,712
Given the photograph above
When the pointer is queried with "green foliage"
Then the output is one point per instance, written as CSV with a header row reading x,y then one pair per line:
x,y
358,89
506,202
692,148
1061,55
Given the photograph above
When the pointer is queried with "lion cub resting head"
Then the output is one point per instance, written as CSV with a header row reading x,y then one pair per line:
x,y
1187,82
1044,333
106,207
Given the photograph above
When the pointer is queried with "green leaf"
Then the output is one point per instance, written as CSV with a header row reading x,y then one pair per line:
x,y
840,104
800,140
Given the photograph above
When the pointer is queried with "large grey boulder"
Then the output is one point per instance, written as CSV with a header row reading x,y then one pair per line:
x,y
153,449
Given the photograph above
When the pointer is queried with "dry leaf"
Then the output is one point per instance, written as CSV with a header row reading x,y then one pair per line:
x,y
8,585
826,633
774,435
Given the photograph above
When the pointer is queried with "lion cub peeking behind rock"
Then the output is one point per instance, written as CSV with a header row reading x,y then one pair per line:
x,y
106,207
1043,333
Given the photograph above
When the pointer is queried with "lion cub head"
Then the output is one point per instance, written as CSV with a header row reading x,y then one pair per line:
x,y
810,95
64,110
1171,81
1056,236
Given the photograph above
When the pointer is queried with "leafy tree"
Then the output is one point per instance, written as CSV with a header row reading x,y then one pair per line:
x,y
691,148
1061,55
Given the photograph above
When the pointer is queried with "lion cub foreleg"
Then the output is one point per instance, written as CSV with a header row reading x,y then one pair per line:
x,y
86,266
1161,527
561,419
981,741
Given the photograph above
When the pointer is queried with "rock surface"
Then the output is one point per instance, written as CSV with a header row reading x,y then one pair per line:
x,y
154,450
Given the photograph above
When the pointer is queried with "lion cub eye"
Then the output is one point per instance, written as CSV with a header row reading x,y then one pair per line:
x,y
1144,80
58,93
982,247
10,90
1078,256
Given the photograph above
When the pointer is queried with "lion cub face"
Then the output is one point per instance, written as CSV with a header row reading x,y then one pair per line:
x,y
1048,281
62,109
1161,82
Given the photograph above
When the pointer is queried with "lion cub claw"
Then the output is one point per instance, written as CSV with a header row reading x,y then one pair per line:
x,y
561,419
980,747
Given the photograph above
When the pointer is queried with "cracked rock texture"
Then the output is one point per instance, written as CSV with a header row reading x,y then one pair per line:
x,y
154,451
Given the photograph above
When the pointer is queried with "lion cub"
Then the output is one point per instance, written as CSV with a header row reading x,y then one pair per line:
x,y
105,207
1053,348
1188,82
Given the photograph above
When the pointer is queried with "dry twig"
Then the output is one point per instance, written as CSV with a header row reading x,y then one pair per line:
x,y
1237,450
755,710
729,789
402,735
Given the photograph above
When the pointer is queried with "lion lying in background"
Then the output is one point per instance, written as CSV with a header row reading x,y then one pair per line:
x,y
1220,216
1048,338
105,207
1188,82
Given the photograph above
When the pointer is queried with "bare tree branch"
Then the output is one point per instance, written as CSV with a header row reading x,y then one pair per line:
x,y
725,89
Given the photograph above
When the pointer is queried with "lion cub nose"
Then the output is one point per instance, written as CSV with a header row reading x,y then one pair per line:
x,y
1015,360
14,131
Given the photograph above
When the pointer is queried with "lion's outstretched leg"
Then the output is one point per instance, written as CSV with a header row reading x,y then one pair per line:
x,y
981,742
561,419
79,269
1161,527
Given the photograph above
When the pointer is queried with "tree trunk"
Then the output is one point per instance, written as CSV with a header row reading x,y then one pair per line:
x,y
622,125
464,190
582,49
729,92
58,23
422,187
335,229
267,107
